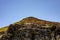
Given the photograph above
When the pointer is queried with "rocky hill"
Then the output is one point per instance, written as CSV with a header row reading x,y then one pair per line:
x,y
31,28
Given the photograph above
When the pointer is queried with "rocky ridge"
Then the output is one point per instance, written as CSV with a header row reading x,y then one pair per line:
x,y
31,28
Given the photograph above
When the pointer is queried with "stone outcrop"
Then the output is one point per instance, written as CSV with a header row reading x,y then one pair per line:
x,y
20,32
31,31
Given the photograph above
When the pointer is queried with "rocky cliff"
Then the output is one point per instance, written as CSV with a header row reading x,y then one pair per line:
x,y
31,28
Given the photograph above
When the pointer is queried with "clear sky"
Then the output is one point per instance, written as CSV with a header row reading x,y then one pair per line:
x,y
14,10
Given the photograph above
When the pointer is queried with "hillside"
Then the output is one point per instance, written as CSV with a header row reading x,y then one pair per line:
x,y
32,20
37,21
29,22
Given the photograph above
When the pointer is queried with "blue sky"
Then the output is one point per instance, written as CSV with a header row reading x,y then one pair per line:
x,y
14,10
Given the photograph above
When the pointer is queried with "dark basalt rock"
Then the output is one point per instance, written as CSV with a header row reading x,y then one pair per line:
x,y
32,29
20,32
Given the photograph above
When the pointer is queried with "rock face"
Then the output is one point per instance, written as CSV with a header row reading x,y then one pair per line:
x,y
32,30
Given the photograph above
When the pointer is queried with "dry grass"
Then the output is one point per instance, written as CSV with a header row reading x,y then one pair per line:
x,y
3,29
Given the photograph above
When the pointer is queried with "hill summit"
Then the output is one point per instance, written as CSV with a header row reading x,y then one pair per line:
x,y
30,28
37,21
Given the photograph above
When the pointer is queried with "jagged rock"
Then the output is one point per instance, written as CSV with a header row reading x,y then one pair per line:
x,y
31,29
